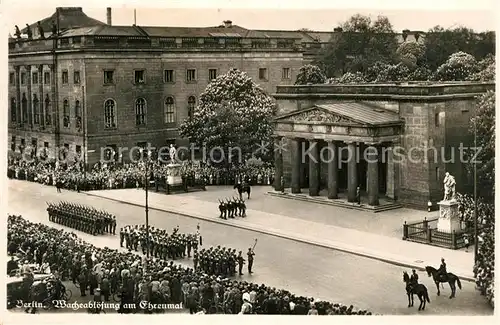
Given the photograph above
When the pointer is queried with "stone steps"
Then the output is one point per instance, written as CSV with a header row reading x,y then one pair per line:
x,y
339,203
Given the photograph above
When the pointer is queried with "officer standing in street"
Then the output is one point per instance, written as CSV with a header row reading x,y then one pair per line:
x,y
250,256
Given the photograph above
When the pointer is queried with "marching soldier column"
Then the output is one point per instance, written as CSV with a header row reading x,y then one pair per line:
x,y
82,218
232,208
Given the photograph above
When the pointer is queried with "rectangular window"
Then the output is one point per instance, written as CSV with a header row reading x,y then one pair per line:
x,y
190,75
139,76
77,40
34,78
108,77
46,144
437,174
23,78
263,74
212,74
64,41
76,77
286,74
12,78
13,144
65,77
78,149
65,151
46,78
439,119
22,146
13,109
168,76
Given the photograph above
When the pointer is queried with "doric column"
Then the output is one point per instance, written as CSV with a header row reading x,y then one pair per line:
x,y
332,170
18,95
313,168
41,105
372,161
296,164
278,164
29,95
390,175
352,172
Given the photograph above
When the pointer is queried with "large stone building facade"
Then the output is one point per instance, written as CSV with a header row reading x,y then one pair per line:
x,y
391,141
94,85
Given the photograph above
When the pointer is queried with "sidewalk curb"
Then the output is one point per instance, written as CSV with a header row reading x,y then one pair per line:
x,y
345,248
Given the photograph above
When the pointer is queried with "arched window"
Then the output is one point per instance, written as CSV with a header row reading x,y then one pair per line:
x,y
140,111
78,117
169,110
109,114
66,113
48,113
24,107
191,106
36,109
13,109
77,108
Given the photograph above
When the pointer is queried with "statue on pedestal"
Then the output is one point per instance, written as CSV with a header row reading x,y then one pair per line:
x,y
173,154
449,187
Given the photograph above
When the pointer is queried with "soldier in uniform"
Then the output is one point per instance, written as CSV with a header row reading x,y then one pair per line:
x,y
222,209
442,270
250,256
122,236
414,277
241,261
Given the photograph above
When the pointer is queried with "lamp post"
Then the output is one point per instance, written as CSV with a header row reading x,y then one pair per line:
x,y
146,184
476,244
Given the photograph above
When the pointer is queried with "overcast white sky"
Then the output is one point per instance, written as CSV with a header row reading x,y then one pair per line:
x,y
270,14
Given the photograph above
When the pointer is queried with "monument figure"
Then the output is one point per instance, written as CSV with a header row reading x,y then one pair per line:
x,y
173,154
40,30
18,32
449,214
449,187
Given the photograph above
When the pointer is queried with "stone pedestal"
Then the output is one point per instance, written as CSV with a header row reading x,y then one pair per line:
x,y
449,216
174,174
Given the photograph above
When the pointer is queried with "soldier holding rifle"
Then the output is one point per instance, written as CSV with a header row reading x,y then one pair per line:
x,y
250,256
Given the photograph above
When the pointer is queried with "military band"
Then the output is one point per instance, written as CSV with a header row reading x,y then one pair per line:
x,y
82,218
231,208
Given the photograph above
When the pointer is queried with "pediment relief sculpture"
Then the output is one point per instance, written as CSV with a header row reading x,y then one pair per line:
x,y
319,116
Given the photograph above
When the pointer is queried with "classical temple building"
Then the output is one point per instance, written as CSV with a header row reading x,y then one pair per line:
x,y
388,141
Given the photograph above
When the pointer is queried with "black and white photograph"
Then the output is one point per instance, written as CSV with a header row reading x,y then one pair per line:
x,y
230,158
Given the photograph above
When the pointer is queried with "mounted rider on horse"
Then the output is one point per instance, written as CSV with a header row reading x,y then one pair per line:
x,y
443,274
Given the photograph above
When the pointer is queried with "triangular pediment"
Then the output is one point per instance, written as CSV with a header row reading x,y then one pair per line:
x,y
316,114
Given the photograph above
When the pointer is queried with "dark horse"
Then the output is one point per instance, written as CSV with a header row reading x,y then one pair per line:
x,y
415,289
450,278
243,188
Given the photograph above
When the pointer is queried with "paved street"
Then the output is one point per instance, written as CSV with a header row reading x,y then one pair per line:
x,y
388,223
301,268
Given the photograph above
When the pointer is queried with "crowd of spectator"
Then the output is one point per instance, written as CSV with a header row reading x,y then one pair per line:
x,y
130,175
155,280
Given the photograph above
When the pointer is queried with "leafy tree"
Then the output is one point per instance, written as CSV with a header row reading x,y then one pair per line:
x,y
310,74
484,269
411,54
459,67
420,74
359,43
396,72
350,77
233,112
486,69
374,71
483,126
440,43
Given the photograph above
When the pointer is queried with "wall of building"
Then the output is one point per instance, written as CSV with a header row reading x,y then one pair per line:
x,y
155,90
